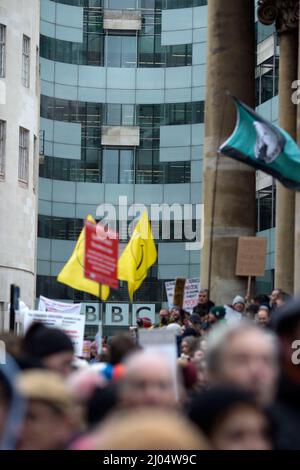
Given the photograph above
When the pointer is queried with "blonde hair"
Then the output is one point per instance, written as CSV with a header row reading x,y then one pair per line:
x,y
149,429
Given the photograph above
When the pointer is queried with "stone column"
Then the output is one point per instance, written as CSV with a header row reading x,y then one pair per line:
x,y
297,204
229,186
285,15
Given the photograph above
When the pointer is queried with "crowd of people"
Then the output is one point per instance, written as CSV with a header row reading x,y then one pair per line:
x,y
235,385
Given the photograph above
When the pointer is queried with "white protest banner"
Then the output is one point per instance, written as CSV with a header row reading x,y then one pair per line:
x,y
191,293
163,342
48,305
72,325
170,287
48,319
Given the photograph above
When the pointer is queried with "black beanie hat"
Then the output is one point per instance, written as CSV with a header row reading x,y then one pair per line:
x,y
41,341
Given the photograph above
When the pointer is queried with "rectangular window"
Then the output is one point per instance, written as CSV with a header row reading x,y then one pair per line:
x,y
121,51
37,71
35,163
2,50
2,148
23,155
26,62
118,166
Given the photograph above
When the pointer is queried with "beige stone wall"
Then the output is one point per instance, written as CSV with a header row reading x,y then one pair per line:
x,y
19,106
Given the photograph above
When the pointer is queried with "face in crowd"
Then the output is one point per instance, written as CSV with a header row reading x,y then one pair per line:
x,y
246,358
164,316
242,428
175,314
263,317
48,423
203,297
148,381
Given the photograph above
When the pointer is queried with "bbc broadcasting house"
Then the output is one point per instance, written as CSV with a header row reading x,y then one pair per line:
x,y
122,114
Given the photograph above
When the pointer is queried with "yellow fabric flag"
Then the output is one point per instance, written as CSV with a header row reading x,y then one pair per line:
x,y
139,254
72,273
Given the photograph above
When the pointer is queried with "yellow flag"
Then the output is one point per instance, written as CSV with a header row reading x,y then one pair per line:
x,y
72,273
138,256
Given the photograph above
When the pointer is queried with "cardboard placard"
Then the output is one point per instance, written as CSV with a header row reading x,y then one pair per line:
x,y
179,291
251,256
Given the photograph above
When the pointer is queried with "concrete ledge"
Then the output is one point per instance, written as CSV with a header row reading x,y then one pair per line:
x,y
125,20
127,136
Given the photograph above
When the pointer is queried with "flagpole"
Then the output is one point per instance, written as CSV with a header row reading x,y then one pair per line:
x,y
100,326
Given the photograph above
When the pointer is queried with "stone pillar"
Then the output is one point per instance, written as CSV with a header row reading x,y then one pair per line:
x,y
297,204
229,186
286,16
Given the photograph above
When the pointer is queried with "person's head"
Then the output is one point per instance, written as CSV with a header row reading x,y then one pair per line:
x,y
238,304
51,346
282,299
274,295
246,356
203,297
175,314
94,349
251,311
189,345
263,316
196,322
148,381
285,322
144,322
216,314
148,430
231,419
164,316
201,368
120,346
48,423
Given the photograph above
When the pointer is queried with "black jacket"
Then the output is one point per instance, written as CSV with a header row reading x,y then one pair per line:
x,y
286,415
203,309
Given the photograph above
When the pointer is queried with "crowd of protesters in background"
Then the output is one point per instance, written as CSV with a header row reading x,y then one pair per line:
x,y
236,387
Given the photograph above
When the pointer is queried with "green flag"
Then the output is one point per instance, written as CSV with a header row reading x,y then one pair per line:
x,y
266,147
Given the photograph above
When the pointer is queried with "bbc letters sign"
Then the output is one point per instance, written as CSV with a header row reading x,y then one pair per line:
x,y
92,312
143,310
116,314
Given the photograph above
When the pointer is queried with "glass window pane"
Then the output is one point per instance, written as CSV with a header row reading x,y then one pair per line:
x,y
113,51
110,166
128,115
129,51
126,166
113,114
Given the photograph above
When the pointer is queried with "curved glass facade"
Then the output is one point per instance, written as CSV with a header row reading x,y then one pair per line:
x,y
150,81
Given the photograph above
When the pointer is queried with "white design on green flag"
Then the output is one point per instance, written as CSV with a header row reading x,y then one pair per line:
x,y
264,146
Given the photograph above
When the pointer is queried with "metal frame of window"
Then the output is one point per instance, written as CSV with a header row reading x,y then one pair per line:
x,y
2,50
23,167
26,61
269,66
261,194
2,148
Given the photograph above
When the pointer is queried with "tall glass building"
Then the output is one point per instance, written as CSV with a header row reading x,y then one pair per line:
x,y
267,81
122,114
